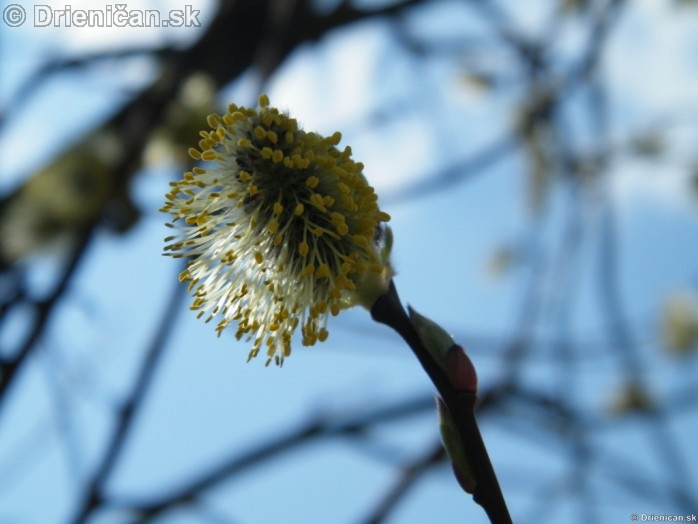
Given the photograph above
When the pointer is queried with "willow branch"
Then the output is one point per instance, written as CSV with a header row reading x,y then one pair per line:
x,y
487,493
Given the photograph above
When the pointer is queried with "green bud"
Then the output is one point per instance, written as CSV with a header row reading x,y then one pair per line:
x,y
454,448
434,337
449,355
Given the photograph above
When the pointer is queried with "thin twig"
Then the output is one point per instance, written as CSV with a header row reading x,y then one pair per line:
x,y
44,310
413,472
223,470
94,492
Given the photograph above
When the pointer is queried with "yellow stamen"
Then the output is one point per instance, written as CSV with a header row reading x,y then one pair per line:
x,y
303,249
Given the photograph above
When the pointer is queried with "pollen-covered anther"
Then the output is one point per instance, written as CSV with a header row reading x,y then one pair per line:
x,y
317,200
235,116
343,282
208,155
323,271
361,240
308,270
321,307
323,334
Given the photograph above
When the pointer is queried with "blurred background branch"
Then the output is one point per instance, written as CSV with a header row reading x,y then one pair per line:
x,y
497,134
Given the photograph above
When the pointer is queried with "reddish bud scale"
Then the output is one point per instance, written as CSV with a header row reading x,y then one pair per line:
x,y
460,370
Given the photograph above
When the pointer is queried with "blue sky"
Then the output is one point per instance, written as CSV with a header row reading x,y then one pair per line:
x,y
206,401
